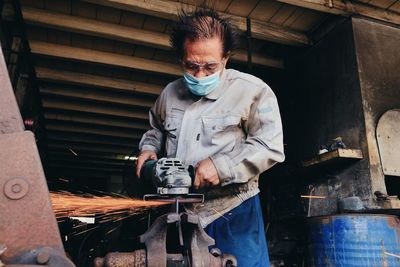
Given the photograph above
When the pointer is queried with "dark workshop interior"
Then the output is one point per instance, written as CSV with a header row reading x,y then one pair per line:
x,y
85,74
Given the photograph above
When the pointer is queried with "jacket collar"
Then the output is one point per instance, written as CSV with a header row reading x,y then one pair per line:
x,y
217,92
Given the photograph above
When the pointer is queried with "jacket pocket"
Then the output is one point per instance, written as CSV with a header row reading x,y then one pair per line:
x,y
172,127
224,131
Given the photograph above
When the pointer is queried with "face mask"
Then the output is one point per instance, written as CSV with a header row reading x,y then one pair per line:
x,y
202,86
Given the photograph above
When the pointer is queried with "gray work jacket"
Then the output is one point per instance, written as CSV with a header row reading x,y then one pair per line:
x,y
238,126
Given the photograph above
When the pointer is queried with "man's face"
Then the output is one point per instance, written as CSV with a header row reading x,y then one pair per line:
x,y
203,57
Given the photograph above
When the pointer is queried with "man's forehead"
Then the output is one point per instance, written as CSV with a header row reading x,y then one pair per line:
x,y
203,46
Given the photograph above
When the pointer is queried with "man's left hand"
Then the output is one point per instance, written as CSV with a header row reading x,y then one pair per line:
x,y
206,174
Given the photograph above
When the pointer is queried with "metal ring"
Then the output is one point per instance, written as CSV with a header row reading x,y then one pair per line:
x,y
16,188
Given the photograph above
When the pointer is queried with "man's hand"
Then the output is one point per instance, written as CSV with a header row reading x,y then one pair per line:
x,y
206,174
143,156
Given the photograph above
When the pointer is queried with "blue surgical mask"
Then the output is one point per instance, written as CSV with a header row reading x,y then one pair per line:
x,y
202,86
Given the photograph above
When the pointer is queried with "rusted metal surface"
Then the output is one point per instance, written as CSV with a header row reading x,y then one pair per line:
x,y
156,255
388,136
116,259
155,240
27,222
10,118
42,256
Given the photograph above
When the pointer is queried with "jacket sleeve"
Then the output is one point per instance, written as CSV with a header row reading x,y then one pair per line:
x,y
262,148
153,139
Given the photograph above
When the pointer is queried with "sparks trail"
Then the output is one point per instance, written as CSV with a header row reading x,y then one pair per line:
x,y
105,208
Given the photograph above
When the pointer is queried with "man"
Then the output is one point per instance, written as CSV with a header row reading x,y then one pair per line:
x,y
224,122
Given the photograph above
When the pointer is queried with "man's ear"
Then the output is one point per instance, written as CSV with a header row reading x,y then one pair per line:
x,y
226,58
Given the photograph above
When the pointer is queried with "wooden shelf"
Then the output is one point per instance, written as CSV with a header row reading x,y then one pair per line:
x,y
340,155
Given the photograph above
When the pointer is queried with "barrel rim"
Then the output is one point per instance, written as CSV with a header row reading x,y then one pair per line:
x,y
321,217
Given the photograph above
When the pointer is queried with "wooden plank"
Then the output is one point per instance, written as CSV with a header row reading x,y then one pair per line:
x,y
108,14
97,28
347,8
92,148
265,10
309,19
96,96
57,104
103,58
96,120
283,14
132,20
101,44
58,37
241,56
122,33
90,162
170,10
33,3
154,24
82,79
335,155
69,157
384,4
295,16
395,7
84,165
90,129
83,9
93,136
241,7
80,40
82,139
37,33
93,156
62,6
220,5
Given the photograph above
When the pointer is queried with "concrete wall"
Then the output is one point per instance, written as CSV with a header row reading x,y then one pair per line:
x,y
342,86
378,57
326,104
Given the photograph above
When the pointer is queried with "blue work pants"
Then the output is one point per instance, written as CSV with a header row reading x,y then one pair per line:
x,y
240,232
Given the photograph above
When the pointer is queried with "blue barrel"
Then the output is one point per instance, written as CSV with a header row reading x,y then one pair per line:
x,y
348,240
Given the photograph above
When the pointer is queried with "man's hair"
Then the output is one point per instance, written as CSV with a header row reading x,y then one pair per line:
x,y
203,23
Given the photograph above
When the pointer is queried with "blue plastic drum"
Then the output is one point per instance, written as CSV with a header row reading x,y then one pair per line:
x,y
362,240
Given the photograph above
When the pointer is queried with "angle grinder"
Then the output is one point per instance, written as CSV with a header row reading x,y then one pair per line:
x,y
172,179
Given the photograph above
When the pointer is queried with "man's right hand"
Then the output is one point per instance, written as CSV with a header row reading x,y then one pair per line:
x,y
143,156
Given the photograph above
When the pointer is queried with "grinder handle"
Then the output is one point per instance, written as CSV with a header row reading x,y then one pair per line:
x,y
192,172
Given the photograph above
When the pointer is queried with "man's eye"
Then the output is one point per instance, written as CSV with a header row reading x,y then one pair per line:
x,y
211,66
191,66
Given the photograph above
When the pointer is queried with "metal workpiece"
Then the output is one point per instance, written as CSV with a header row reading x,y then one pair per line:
x,y
121,259
189,248
27,220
